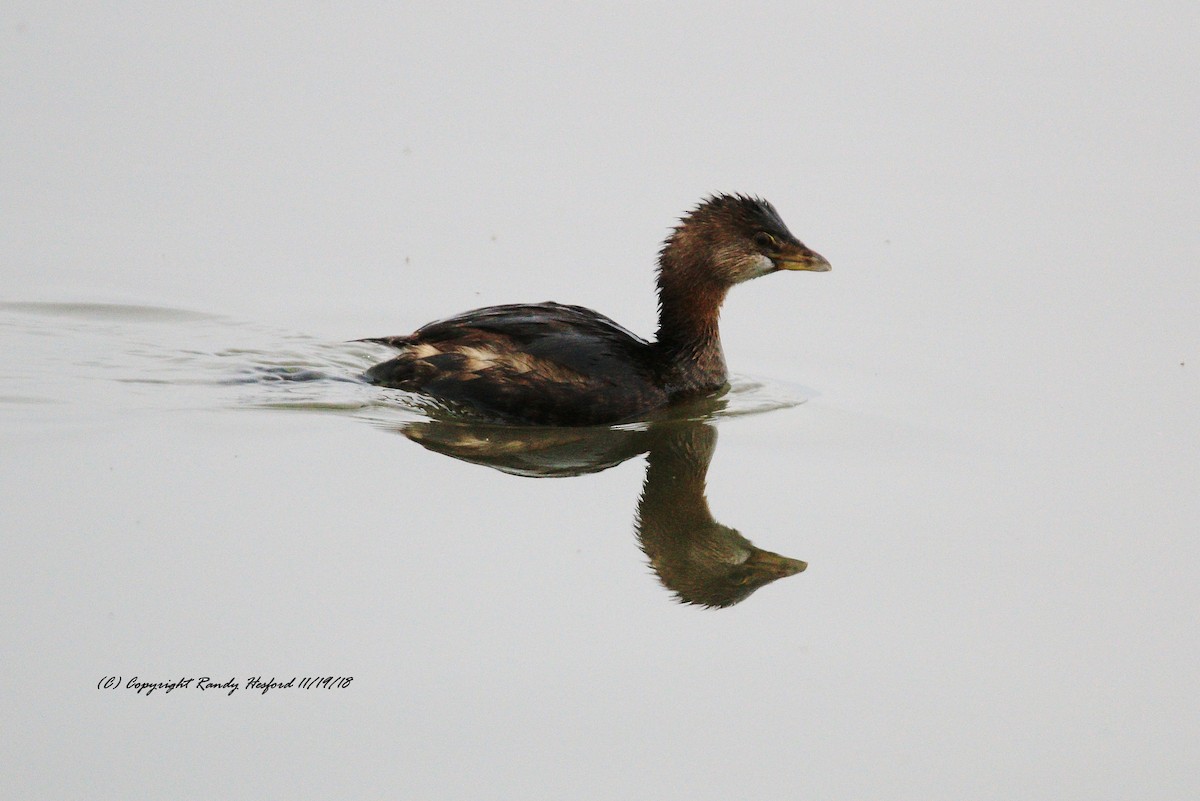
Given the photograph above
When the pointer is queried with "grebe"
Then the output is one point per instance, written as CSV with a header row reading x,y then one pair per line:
x,y
550,364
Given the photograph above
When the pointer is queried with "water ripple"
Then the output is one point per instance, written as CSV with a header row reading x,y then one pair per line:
x,y
175,358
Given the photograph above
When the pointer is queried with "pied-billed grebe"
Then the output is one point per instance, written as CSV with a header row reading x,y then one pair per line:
x,y
550,364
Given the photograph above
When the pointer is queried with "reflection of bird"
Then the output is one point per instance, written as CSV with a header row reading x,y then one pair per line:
x,y
696,557
702,561
532,451
546,363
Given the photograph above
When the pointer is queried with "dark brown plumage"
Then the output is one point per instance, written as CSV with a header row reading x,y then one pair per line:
x,y
550,364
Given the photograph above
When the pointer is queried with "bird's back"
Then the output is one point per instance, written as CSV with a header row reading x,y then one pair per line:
x,y
543,363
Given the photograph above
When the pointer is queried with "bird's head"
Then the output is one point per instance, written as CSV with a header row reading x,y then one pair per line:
x,y
736,238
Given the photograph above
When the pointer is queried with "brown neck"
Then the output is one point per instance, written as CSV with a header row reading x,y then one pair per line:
x,y
688,336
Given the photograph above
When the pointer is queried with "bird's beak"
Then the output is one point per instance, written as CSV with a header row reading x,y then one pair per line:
x,y
802,258
772,564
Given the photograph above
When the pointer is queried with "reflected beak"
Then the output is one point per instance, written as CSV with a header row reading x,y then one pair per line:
x,y
802,259
772,564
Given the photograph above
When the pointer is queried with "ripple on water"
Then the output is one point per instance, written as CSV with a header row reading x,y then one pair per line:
x,y
106,311
175,358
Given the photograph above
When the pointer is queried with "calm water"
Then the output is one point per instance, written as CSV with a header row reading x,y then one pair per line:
x,y
194,495
979,432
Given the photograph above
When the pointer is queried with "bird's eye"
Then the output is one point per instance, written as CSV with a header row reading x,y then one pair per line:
x,y
765,241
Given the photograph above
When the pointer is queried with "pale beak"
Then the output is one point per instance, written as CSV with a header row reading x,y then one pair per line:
x,y
766,563
803,259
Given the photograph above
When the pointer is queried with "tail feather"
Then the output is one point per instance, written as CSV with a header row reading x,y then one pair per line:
x,y
394,342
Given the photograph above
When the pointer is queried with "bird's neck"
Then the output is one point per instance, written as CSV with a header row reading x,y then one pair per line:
x,y
689,308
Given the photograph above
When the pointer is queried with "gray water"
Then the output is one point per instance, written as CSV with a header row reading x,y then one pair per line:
x,y
979,432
